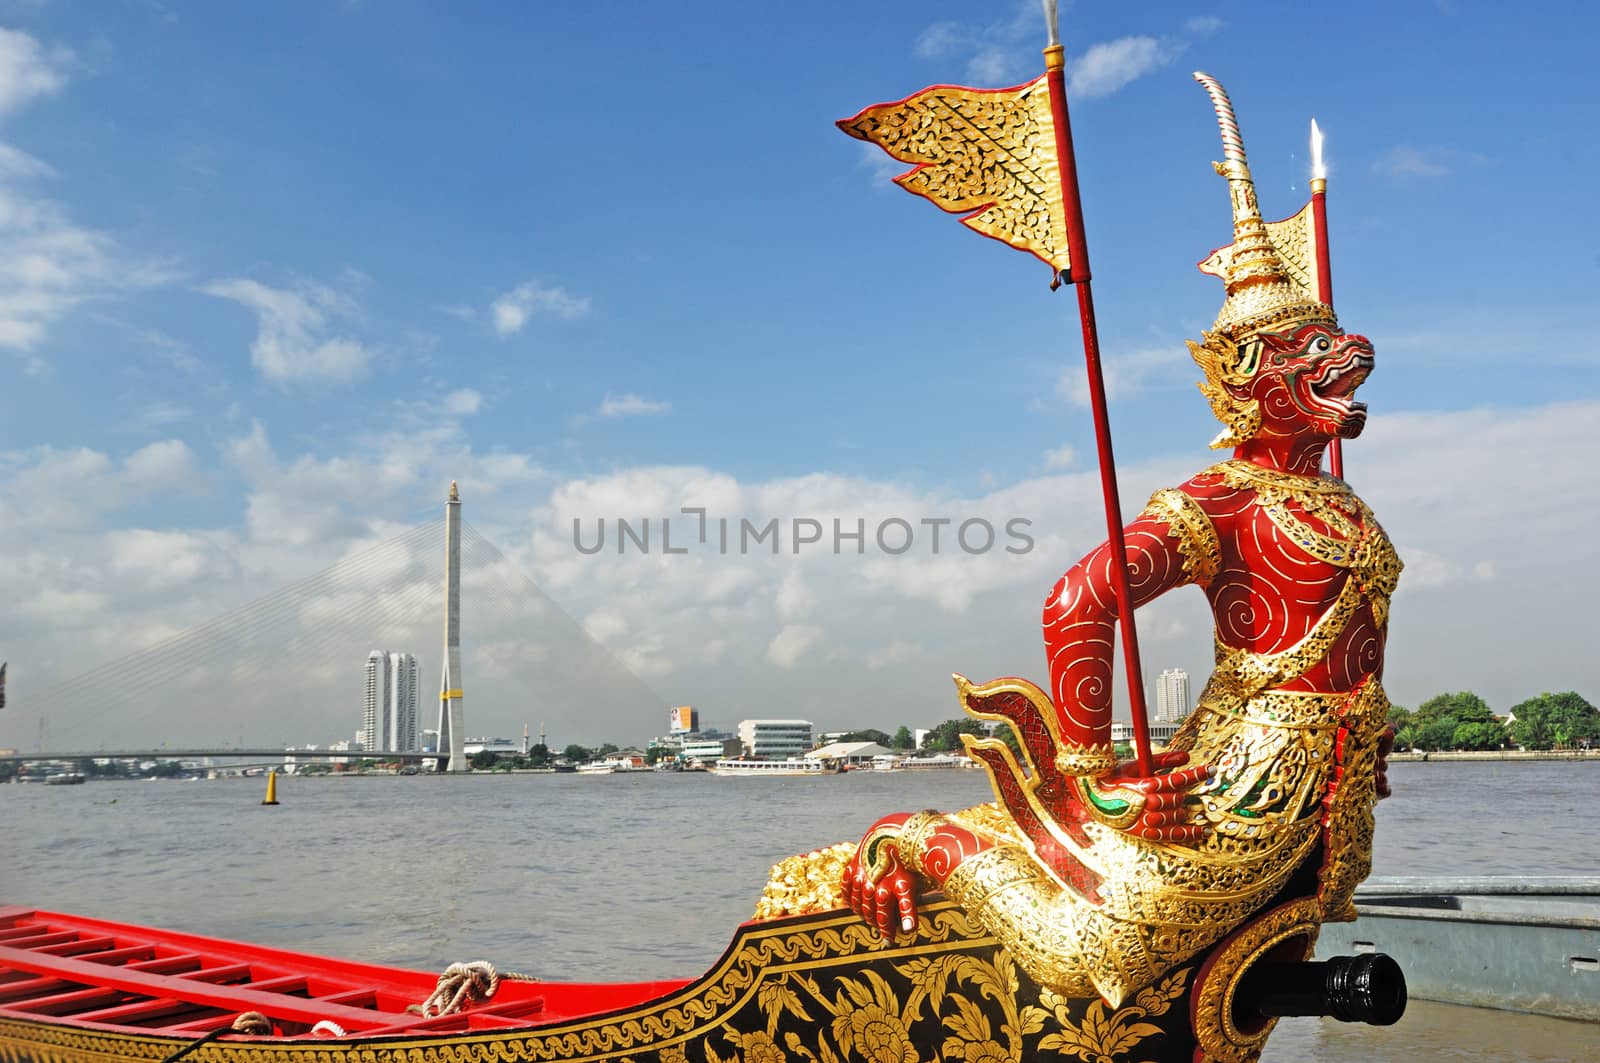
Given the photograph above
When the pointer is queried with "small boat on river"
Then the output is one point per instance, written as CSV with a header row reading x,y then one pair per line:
x,y
1517,943
733,767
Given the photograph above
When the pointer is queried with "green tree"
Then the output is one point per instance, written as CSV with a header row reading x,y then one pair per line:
x,y
1399,718
576,753
870,734
902,739
1437,734
1555,721
1405,739
945,738
1463,706
483,760
539,756
606,750
1491,735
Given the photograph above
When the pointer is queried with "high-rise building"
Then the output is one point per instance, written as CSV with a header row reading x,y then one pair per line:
x,y
1172,696
774,739
389,716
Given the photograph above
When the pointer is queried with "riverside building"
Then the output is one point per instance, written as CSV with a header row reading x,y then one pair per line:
x,y
774,739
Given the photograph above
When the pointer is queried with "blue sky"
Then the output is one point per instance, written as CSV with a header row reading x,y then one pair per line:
x,y
269,275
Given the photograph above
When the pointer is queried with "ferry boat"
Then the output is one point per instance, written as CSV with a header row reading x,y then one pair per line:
x,y
936,762
792,766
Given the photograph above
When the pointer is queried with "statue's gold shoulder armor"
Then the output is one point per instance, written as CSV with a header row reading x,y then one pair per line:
x,y
1188,523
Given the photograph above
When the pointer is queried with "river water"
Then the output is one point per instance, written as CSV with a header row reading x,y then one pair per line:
x,y
644,875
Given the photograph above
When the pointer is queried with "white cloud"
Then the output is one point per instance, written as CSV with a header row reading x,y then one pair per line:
x,y
161,462
48,262
792,643
463,401
605,625
28,70
1109,65
1410,160
291,344
795,599
720,626
631,406
1125,374
1200,25
512,310
1062,457
897,652
166,559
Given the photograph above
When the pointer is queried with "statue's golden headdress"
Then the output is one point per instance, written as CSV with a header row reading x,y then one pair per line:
x,y
1270,275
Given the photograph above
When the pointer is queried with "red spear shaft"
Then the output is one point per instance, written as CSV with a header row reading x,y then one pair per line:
x,y
1078,276
1319,223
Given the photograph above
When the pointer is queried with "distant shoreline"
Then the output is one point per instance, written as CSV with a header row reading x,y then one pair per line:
x,y
1497,754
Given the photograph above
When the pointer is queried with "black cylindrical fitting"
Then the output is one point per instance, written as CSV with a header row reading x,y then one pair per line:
x,y
1369,988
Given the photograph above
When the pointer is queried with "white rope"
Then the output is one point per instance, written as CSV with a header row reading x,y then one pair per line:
x,y
465,983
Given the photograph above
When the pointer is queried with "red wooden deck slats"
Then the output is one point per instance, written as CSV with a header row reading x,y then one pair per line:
x,y
287,983
123,954
183,961
80,946
230,972
199,1026
355,998
43,936
132,1013
71,1002
231,998
32,986
22,929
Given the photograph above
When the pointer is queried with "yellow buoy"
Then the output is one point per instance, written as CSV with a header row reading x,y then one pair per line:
x,y
272,789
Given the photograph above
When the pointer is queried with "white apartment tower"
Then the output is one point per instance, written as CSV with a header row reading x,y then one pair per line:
x,y
774,739
389,716
1172,696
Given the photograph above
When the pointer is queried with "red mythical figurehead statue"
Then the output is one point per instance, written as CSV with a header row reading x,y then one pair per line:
x,y
1099,880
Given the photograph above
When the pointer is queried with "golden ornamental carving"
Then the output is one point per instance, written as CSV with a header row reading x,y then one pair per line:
x,y
1216,1026
1192,528
990,152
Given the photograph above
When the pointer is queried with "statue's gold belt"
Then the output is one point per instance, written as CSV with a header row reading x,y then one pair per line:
x,y
1295,708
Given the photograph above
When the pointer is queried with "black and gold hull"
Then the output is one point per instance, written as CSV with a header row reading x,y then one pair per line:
x,y
819,988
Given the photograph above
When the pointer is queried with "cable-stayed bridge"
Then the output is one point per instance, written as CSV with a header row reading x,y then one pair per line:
x,y
287,668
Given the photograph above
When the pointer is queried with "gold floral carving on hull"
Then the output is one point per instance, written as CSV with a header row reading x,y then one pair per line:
x,y
818,990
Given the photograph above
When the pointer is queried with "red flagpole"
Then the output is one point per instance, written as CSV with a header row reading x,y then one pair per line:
x,y
1319,221
1078,276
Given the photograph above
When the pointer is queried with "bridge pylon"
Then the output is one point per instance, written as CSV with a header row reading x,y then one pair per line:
x,y
452,726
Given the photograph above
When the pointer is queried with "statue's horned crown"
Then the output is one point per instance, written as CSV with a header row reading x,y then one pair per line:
x,y
1270,269
1269,273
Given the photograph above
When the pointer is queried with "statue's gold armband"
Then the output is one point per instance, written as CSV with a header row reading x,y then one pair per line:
x,y
1189,524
